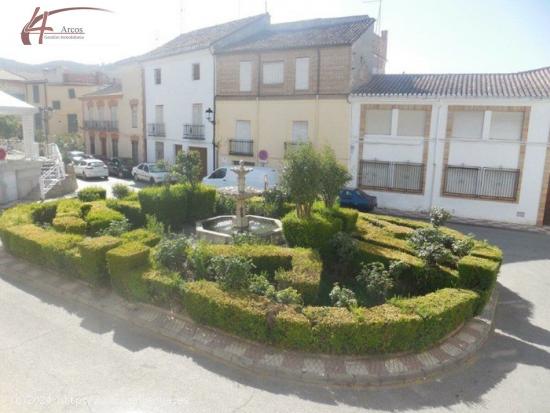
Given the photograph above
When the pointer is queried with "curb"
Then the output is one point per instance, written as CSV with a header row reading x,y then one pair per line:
x,y
459,347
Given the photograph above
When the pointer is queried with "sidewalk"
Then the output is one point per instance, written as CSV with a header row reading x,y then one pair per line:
x,y
262,359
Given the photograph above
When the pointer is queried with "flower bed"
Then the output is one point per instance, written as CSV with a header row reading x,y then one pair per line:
x,y
285,301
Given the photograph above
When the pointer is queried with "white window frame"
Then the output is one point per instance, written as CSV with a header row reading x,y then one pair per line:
x,y
245,76
301,81
274,77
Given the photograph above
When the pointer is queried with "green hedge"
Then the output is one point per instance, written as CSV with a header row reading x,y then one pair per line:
x,y
130,209
176,205
347,216
46,248
124,263
480,275
92,193
100,217
71,224
142,235
299,268
93,253
237,312
19,215
370,232
314,232
44,213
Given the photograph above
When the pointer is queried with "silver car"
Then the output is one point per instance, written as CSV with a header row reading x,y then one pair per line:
x,y
91,168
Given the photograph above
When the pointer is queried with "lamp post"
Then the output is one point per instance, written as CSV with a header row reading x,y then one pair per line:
x,y
211,117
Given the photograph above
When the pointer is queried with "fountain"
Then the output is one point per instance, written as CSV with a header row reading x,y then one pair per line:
x,y
221,229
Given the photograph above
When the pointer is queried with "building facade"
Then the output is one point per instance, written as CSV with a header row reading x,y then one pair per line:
x,y
475,144
179,86
13,84
289,84
113,124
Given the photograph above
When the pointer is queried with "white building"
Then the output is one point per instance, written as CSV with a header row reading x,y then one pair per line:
x,y
475,144
179,85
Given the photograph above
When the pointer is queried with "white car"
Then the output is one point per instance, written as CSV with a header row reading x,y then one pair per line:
x,y
260,178
149,172
91,168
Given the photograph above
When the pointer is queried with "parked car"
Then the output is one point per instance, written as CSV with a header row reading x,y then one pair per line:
x,y
150,172
121,167
91,168
358,199
75,156
260,178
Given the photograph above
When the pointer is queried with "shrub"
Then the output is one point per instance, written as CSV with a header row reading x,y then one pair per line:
x,y
121,191
126,257
332,178
171,252
463,247
432,246
72,207
187,168
259,285
234,311
44,213
313,232
378,281
92,193
224,205
18,215
153,225
347,216
287,296
342,297
439,216
100,217
116,228
93,253
480,275
231,273
343,251
162,287
130,209
71,224
142,235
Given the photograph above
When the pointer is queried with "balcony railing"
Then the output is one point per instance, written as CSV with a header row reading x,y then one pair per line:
x,y
193,132
241,147
103,125
156,129
291,145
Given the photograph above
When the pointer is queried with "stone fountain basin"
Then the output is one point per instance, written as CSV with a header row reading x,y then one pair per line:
x,y
219,230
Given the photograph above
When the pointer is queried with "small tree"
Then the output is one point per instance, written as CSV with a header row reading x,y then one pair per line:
x,y
300,178
333,177
10,127
188,168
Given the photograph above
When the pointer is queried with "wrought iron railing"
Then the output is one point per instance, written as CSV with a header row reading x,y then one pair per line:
x,y
241,147
103,125
193,131
156,129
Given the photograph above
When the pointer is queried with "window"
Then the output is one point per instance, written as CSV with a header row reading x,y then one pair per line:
x,y
92,144
378,121
72,123
56,104
302,73
243,130
468,124
35,94
103,146
506,125
159,150
273,73
196,114
218,174
245,76
114,147
72,93
38,121
134,116
196,71
158,77
478,182
392,176
299,131
159,114
411,123
101,113
135,151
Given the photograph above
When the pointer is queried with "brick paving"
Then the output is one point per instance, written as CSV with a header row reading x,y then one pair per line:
x,y
262,359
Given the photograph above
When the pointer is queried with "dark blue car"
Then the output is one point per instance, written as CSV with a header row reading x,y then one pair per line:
x,y
358,199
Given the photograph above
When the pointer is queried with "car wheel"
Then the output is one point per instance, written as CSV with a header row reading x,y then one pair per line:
x,y
135,177
152,181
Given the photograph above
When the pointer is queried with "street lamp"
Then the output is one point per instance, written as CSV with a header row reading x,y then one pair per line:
x,y
210,115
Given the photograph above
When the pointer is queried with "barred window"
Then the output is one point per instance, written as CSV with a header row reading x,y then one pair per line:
x,y
488,183
392,176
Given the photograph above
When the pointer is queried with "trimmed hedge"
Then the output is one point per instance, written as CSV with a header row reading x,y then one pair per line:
x,y
91,193
100,217
130,209
480,275
93,253
123,263
314,232
379,235
176,205
44,213
347,216
71,224
142,235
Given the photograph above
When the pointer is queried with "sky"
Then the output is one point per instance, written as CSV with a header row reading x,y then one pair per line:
x,y
425,36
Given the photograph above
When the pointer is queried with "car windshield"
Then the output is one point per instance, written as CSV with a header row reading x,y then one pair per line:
x,y
362,193
96,164
156,168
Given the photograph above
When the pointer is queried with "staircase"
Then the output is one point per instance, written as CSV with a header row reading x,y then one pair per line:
x,y
53,169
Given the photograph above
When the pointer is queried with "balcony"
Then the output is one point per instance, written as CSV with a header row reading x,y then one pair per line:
x,y
289,146
241,147
102,125
195,132
156,129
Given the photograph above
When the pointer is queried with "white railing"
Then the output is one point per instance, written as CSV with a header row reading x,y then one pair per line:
x,y
55,171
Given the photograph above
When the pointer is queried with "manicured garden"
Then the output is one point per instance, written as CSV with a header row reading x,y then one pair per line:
x,y
346,282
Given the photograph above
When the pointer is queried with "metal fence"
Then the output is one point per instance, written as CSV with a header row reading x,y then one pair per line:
x,y
241,147
477,182
392,176
193,131
156,129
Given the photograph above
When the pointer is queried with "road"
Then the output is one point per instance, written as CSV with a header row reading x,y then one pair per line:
x,y
60,357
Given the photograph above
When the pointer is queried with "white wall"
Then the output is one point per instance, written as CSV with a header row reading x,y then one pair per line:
x,y
485,152
178,92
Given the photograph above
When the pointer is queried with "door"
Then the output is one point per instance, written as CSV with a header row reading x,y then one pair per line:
x,y
177,149
103,147
546,219
159,114
197,114
135,152
203,157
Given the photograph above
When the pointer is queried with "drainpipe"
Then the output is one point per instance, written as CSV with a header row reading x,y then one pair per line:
x,y
214,96
434,155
